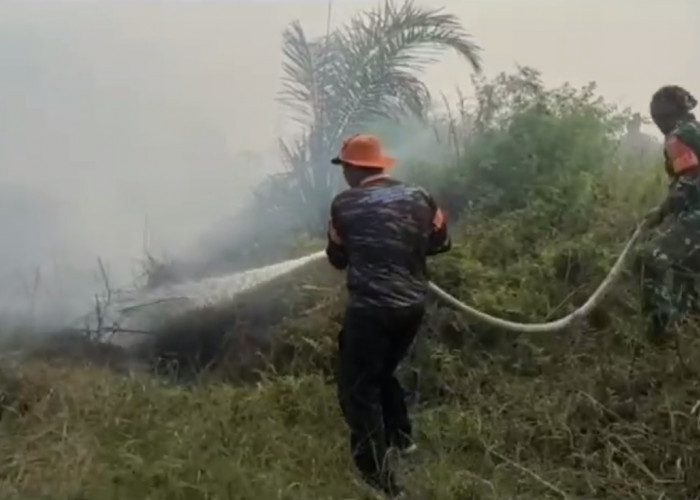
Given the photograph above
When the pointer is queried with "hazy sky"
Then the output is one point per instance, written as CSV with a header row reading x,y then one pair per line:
x,y
115,115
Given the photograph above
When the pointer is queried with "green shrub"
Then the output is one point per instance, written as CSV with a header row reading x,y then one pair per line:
x,y
532,147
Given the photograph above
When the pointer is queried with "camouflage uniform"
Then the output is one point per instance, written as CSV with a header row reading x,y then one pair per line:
x,y
386,231
381,231
670,262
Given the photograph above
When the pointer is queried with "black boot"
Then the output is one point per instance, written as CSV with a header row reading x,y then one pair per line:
x,y
386,484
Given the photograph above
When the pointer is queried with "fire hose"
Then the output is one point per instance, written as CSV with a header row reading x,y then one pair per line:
x,y
215,290
551,326
548,327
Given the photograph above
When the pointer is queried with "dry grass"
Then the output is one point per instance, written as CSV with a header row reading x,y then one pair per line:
x,y
594,415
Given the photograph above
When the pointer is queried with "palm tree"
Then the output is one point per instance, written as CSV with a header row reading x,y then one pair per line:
x,y
338,83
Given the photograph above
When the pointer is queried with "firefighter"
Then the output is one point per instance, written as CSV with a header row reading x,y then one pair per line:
x,y
380,230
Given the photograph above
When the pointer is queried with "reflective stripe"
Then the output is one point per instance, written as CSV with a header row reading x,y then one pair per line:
x,y
373,178
438,219
681,157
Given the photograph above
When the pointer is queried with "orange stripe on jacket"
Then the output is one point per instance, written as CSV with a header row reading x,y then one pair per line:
x,y
438,219
682,157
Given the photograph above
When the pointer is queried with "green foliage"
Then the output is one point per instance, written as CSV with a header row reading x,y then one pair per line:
x,y
554,152
529,146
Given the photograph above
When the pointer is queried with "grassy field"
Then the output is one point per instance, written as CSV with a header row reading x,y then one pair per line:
x,y
583,428
596,413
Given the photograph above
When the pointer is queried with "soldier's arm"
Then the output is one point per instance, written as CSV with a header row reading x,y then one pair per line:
x,y
439,240
689,135
335,249
683,162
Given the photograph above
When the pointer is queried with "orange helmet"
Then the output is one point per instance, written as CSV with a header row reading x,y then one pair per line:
x,y
363,151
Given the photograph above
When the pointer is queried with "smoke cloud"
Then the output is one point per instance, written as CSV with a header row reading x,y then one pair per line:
x,y
130,128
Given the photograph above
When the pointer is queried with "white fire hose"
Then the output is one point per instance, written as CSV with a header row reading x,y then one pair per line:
x,y
551,326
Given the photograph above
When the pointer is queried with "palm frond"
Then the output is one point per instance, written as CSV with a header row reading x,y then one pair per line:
x,y
306,74
338,83
387,47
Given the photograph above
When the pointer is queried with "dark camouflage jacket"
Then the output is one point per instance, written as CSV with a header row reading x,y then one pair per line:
x,y
382,232
681,153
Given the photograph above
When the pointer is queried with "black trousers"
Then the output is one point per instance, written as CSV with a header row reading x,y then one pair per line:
x,y
372,343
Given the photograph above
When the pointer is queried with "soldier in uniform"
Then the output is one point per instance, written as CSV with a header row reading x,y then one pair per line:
x,y
381,231
671,261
